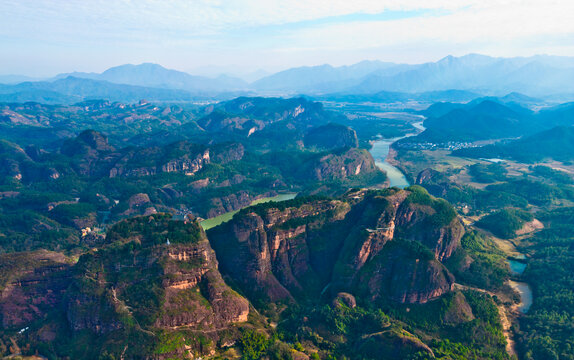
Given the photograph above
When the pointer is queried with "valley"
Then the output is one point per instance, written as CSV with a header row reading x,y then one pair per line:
x,y
286,180
380,151
282,229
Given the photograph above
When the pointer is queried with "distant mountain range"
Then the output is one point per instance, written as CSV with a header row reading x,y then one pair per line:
x,y
153,75
535,76
72,90
453,79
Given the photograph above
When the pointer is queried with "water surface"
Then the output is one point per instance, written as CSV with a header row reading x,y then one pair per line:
x,y
525,295
517,267
380,152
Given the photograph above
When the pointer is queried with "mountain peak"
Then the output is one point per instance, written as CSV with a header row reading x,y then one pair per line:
x,y
447,59
139,67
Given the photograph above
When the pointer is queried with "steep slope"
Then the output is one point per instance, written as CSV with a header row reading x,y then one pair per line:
x,y
556,143
380,245
32,284
91,155
156,274
248,115
486,119
331,136
340,165
151,291
16,165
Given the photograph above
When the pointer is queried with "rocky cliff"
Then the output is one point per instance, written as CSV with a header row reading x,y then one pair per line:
x,y
247,116
155,275
377,244
339,165
16,165
267,248
331,136
91,155
32,284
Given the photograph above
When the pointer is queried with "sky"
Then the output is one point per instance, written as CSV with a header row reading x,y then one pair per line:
x,y
46,37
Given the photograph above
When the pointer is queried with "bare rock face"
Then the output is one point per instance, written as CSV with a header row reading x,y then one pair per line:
x,y
348,163
32,284
187,166
246,116
376,245
187,289
164,276
267,249
405,277
139,204
396,253
331,136
345,299
227,153
182,157
93,156
228,203
432,223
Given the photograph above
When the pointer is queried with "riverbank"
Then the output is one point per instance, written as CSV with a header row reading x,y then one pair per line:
x,y
381,152
510,311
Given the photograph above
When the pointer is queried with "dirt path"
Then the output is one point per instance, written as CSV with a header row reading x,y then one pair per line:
x,y
504,314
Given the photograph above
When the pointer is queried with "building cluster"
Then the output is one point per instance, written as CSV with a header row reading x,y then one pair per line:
x,y
450,145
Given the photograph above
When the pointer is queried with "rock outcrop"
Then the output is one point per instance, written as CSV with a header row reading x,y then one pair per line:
x,y
374,245
331,136
340,165
267,248
182,157
247,116
32,284
159,274
18,165
92,155
221,205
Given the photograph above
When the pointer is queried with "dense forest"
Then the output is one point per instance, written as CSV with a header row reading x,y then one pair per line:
x,y
103,254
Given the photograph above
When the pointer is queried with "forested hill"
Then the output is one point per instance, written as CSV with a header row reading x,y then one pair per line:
x,y
489,119
556,143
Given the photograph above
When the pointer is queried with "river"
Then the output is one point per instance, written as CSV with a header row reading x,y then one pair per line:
x,y
218,220
380,151
525,295
517,268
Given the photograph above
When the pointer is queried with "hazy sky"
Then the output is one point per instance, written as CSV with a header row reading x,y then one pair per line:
x,y
45,37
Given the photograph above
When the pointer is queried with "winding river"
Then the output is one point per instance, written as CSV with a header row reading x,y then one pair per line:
x,y
517,268
380,151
